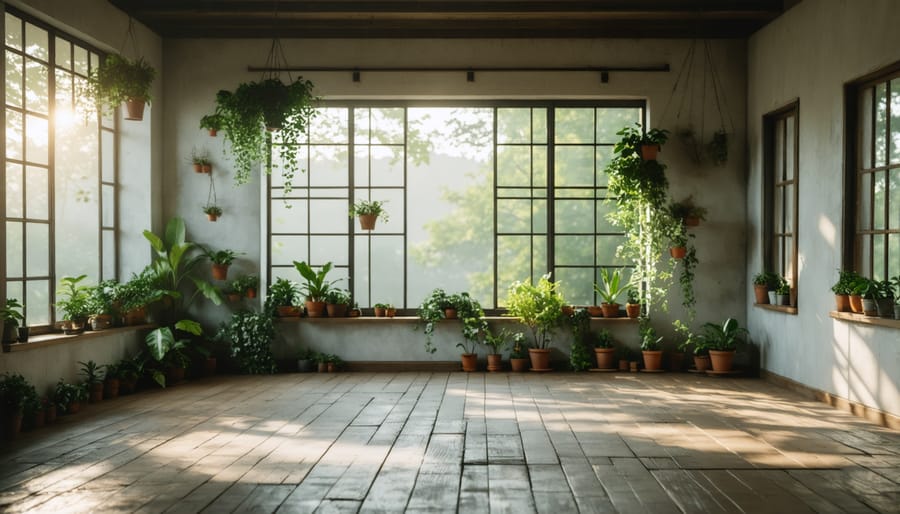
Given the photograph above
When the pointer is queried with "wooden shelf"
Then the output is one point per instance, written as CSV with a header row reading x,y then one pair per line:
x,y
866,320
55,338
787,309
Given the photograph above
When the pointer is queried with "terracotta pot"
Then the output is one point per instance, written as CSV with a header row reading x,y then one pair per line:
x,y
632,310
209,366
355,313
331,367
212,217
174,375
595,311
234,297
390,312
649,152
288,311
322,367
12,424
213,132
135,109
367,221
450,313
623,364
251,292
519,365
761,291
691,221
337,310
678,252
73,408
219,271
652,359
315,309
701,362
494,362
73,326
842,302
111,388
610,310
198,168
676,361
469,362
633,366
97,392
721,361
379,312
136,316
568,310
540,359
606,358
856,303
206,168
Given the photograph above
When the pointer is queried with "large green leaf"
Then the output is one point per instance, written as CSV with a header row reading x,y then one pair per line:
x,y
208,290
155,241
175,232
177,252
190,326
159,342
159,377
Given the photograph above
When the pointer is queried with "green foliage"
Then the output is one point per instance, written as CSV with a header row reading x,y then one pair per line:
x,y
244,283
215,210
686,279
518,350
686,339
611,285
538,306
283,293
846,280
649,340
468,310
119,79
374,208
498,341
338,297
140,290
211,122
92,373
725,337
15,392
102,296
11,314
687,209
316,286
603,339
73,298
220,256
783,287
166,350
250,335
582,340
633,295
246,113
769,279
65,394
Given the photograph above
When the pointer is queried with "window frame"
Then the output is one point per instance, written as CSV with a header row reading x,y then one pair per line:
x,y
353,190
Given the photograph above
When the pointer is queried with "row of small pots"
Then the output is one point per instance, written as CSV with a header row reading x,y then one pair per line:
x,y
607,310
856,304
539,359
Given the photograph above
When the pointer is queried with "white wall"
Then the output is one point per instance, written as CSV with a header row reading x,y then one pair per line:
x,y
810,53
196,69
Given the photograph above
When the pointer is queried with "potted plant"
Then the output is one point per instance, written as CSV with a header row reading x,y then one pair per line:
x,y
883,294
168,347
539,307
649,143
73,300
609,291
250,117
129,371
212,211
722,341
718,147
306,360
843,288
221,260
368,213
678,243
380,309
633,303
763,282
69,397
337,302
582,340
650,346
249,335
246,285
496,342
140,291
604,350
111,381
282,296
100,304
93,380
783,293
316,287
119,79
518,354
861,285
685,210
11,315
684,341
434,308
14,394
212,123
471,314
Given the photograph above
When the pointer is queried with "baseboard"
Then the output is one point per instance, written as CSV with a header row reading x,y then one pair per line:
x,y
879,417
397,366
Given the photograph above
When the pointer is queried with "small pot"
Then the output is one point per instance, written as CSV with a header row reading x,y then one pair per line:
x,y
213,132
633,366
206,168
315,309
469,362
450,313
568,310
101,322
332,367
606,357
869,307
367,221
610,310
701,362
209,366
288,311
595,311
494,362
721,361
856,303
73,407
782,299
219,271
518,365
649,152
198,168
390,312
623,364
305,365
251,292
322,367
379,312
336,310
691,221
135,109
212,217
842,302
540,359
633,310
678,252
761,291
885,307
50,413
73,326
234,297
772,299
22,332
652,359
897,311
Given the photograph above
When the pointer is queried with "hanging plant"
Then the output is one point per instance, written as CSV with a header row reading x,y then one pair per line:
x,y
212,123
119,80
718,147
259,114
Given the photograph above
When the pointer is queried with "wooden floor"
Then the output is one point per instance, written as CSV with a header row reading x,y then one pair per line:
x,y
456,442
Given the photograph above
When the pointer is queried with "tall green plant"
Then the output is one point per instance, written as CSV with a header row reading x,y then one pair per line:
x,y
538,306
316,287
167,350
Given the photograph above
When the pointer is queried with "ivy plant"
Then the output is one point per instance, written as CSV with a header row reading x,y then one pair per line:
x,y
250,335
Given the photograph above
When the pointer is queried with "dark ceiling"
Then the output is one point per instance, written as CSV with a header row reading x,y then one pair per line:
x,y
454,18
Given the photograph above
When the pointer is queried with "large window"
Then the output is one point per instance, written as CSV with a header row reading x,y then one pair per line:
x,y
874,174
479,195
59,181
782,159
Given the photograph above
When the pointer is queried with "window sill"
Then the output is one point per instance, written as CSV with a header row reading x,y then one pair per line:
x,y
865,320
786,309
53,339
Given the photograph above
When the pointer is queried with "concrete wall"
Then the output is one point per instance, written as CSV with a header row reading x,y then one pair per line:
x,y
810,53
196,69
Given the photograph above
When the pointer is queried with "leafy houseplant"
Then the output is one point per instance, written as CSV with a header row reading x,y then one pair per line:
x,y
763,282
15,395
650,346
539,307
610,289
170,352
100,304
73,300
337,302
211,122
497,342
119,79
221,260
282,296
721,341
11,315
843,288
251,109
633,303
68,397
246,285
782,292
250,335
435,307
685,210
212,212
582,340
518,353
93,379
316,287
368,212
136,294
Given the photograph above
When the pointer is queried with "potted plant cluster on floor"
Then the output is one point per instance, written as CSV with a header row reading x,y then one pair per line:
x,y
539,307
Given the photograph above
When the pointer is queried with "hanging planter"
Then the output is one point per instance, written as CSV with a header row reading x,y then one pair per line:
x,y
212,123
369,212
685,210
121,80
212,212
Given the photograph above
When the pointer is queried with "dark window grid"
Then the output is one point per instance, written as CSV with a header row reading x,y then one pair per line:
x,y
779,235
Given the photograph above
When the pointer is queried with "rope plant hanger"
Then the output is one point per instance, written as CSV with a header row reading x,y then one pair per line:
x,y
258,117
121,80
695,85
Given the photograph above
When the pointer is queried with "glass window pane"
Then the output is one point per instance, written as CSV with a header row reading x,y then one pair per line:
x,y
16,290
539,248
895,121
361,166
287,249
63,53
13,135
37,249
36,43
36,144
788,209
328,166
109,255
539,216
865,124
289,216
789,148
361,282
323,249
574,166
387,125
878,263
603,156
38,193
606,251
14,65
361,126
878,212
386,278
513,261
513,166
514,216
328,217
574,125
894,206
14,193
14,241
539,166
576,285
108,156
574,251
387,165
613,119
329,126
575,216
514,125
779,150
788,270
865,201
301,177
894,255
880,123
778,213
13,31
81,60
604,209
37,302
539,126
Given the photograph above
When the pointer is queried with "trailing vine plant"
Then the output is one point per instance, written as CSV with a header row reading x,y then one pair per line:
x,y
582,340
